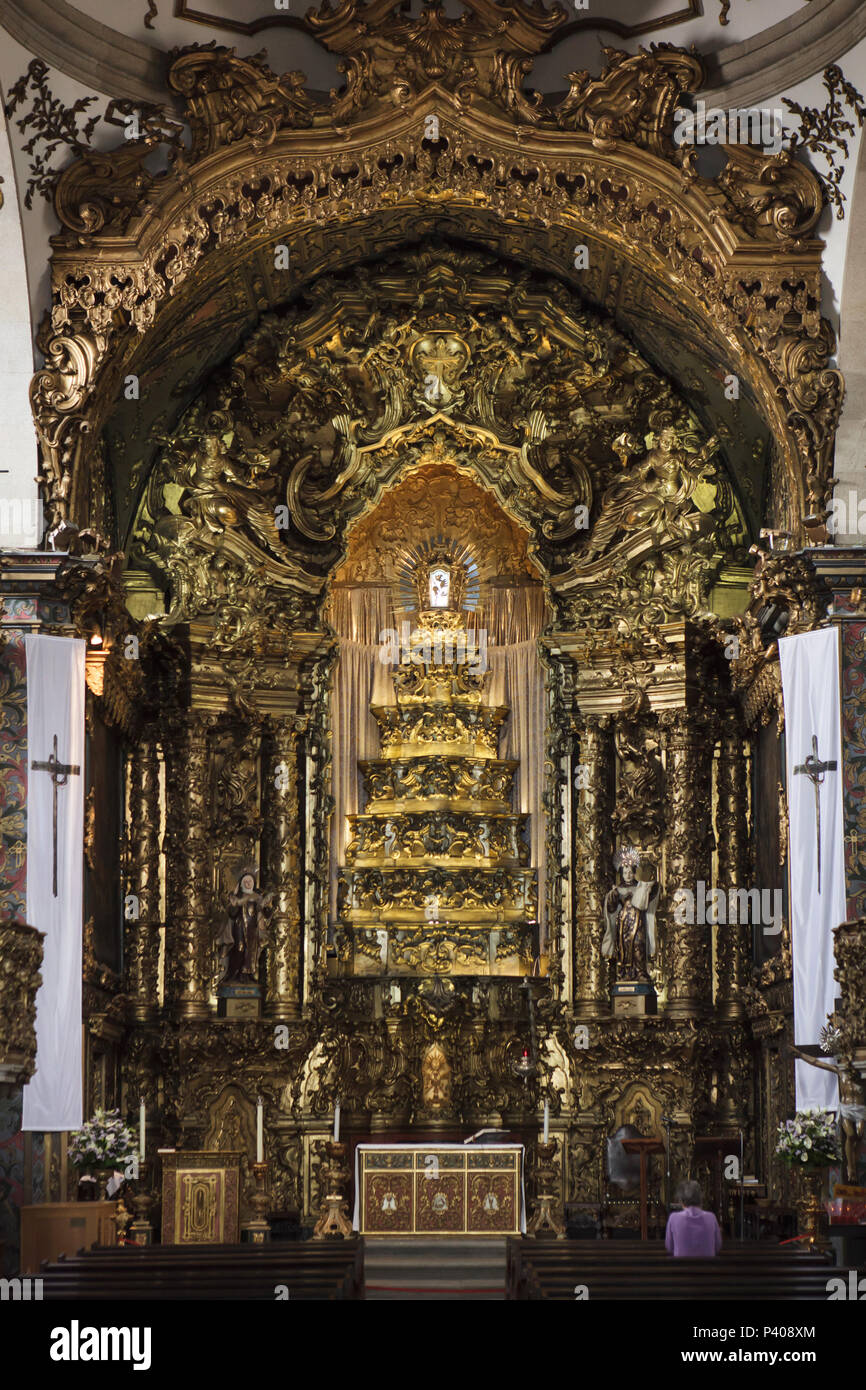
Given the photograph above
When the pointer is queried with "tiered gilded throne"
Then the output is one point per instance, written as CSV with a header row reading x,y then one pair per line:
x,y
437,878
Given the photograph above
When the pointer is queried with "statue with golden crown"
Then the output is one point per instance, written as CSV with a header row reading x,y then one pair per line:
x,y
630,932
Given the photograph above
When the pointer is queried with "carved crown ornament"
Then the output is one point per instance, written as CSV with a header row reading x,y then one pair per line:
x,y
546,403
434,118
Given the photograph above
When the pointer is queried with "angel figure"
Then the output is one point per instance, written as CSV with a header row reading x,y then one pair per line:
x,y
653,493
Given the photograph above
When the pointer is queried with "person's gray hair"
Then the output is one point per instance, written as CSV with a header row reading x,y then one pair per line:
x,y
690,1194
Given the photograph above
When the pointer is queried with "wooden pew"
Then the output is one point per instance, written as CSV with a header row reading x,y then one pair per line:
x,y
644,1271
326,1271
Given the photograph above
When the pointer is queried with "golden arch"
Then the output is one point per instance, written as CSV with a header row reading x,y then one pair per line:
x,y
140,252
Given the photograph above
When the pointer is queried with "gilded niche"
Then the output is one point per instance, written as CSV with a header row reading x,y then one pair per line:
x,y
438,500
435,1079
438,884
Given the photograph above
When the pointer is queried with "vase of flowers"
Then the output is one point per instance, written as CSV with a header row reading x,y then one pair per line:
x,y
102,1145
809,1144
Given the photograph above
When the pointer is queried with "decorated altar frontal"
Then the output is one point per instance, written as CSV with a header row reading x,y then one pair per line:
x,y
439,1189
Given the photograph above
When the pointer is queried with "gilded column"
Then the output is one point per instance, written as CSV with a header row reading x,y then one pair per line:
x,y
594,853
142,914
687,948
849,940
284,870
188,920
732,939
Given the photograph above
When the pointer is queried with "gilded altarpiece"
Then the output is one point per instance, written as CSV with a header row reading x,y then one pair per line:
x,y
432,318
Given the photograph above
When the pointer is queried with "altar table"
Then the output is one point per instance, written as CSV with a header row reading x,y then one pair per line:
x,y
439,1189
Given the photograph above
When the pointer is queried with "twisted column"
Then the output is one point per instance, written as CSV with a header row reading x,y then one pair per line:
x,y
284,870
188,940
687,947
594,851
142,928
732,940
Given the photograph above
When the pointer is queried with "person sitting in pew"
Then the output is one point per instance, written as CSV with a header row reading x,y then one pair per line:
x,y
692,1231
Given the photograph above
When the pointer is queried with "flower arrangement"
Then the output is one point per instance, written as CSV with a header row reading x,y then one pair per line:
x,y
103,1142
811,1138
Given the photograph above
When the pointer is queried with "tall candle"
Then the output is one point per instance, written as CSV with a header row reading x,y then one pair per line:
x,y
260,1131
337,1123
546,1121
141,1127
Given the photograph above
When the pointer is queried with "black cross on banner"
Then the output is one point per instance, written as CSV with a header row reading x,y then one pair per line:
x,y
814,769
59,774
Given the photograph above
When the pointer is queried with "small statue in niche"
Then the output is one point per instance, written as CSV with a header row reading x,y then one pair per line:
x,y
246,931
229,1136
630,917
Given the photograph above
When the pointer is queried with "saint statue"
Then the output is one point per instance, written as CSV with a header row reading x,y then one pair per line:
x,y
630,917
246,931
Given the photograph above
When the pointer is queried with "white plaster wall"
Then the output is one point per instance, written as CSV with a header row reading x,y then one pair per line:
x,y
19,508
834,231
850,460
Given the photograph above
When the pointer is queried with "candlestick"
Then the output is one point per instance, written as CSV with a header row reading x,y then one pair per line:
x,y
547,1219
260,1136
337,1123
256,1230
141,1128
334,1223
546,1121
141,1230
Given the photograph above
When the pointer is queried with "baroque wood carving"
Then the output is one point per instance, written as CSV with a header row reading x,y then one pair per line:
x,y
434,110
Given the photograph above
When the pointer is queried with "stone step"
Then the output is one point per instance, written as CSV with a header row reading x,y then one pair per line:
x,y
434,1270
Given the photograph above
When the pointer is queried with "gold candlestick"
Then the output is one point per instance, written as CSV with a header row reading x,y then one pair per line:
x,y
334,1224
547,1222
141,1230
257,1229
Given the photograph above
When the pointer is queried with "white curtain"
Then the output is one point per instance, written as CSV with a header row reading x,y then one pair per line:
x,y
517,680
360,614
55,710
810,686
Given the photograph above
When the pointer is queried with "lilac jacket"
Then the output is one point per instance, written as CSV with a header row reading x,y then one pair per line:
x,y
693,1232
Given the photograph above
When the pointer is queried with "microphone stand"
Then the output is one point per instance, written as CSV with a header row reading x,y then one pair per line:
x,y
667,1121
742,1189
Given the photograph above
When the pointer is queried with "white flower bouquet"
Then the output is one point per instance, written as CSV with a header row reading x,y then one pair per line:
x,y
103,1142
810,1140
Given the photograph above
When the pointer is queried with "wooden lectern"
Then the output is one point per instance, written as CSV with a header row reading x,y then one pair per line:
x,y
643,1148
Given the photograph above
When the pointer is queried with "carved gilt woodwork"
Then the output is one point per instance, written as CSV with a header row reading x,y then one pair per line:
x,y
431,362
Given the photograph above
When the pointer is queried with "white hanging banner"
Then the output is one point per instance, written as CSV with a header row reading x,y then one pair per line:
x,y
55,843
813,743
